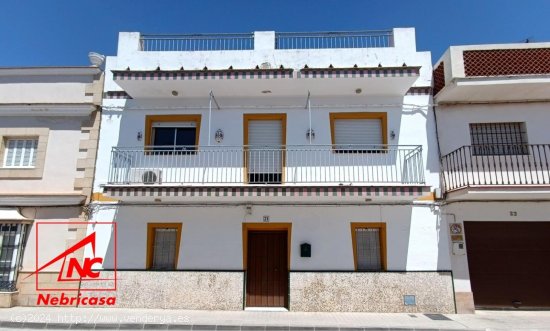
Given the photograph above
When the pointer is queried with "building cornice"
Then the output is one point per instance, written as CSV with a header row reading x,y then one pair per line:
x,y
36,200
48,71
77,109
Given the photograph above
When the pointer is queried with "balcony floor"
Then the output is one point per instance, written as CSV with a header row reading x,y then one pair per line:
x,y
500,192
266,193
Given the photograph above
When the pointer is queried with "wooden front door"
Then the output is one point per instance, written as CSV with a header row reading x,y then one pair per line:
x,y
267,269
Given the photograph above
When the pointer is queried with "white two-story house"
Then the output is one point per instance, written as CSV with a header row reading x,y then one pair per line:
x,y
281,170
492,115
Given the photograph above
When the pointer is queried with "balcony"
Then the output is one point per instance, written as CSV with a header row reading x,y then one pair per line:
x,y
282,40
493,73
308,165
486,171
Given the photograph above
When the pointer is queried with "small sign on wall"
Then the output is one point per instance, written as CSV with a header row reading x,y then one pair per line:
x,y
266,218
456,232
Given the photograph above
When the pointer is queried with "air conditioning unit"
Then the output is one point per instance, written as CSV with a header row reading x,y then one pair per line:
x,y
149,177
145,176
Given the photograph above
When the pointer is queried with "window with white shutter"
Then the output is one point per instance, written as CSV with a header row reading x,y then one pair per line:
x,y
369,246
265,140
20,153
358,132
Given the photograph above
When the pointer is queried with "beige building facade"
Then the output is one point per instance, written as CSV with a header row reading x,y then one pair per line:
x,y
49,127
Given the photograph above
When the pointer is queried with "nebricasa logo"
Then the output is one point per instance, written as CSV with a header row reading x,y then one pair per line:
x,y
72,270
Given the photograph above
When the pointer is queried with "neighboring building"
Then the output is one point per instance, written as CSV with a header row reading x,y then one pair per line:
x,y
49,126
492,117
282,170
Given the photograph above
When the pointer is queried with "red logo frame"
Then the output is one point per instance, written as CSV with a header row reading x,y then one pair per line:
x,y
90,239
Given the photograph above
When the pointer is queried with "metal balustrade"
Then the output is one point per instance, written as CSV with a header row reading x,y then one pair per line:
x,y
197,42
497,164
287,165
283,40
319,40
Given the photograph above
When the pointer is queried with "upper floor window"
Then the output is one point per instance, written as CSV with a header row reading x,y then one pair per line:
x,y
508,138
358,132
169,133
20,153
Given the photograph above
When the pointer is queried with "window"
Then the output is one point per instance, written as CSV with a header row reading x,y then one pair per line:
x,y
20,153
163,242
358,132
170,133
12,240
23,152
369,246
264,136
499,138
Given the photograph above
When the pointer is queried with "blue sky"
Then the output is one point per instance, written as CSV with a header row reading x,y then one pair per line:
x,y
62,32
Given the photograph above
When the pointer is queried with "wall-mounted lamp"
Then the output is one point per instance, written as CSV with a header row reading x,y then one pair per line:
x,y
139,136
218,136
392,135
310,133
248,209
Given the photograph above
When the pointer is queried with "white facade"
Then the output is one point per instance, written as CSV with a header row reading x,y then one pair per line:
x,y
321,192
503,87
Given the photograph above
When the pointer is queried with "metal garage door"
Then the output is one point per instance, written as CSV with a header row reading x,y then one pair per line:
x,y
509,263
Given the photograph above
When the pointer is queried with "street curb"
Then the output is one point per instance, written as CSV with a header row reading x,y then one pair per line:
x,y
133,326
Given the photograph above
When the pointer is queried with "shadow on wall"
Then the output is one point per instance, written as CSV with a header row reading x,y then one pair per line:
x,y
398,235
432,163
444,253
109,262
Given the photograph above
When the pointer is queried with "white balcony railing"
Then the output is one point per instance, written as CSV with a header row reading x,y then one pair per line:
x,y
324,40
197,42
307,164
283,40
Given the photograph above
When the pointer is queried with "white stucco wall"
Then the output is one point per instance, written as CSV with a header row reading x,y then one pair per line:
x,y
212,235
453,121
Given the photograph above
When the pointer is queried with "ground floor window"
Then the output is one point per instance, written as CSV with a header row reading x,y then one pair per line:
x,y
163,242
12,240
369,246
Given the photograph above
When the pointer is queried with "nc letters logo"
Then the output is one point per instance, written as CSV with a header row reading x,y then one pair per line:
x,y
73,269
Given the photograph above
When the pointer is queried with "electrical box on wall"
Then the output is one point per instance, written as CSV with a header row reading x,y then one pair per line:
x,y
305,250
459,248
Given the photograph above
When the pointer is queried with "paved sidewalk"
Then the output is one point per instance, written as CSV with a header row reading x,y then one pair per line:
x,y
130,319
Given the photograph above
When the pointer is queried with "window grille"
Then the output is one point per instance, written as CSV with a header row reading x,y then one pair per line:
x,y
164,249
499,138
12,240
20,153
368,249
